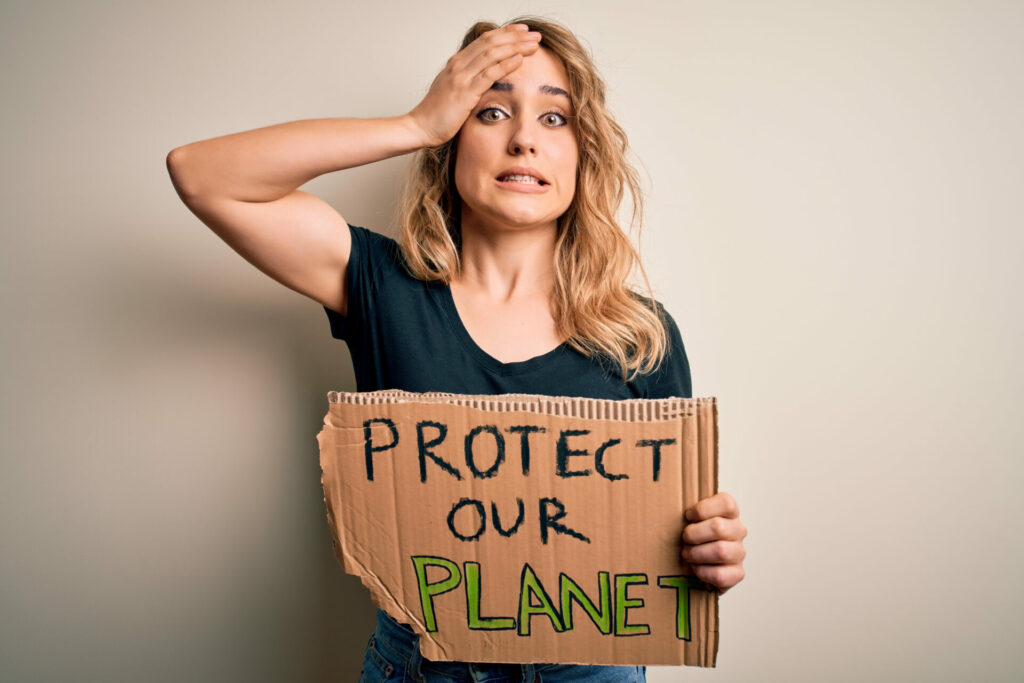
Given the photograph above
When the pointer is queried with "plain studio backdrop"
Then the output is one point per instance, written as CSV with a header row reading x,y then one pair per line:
x,y
834,202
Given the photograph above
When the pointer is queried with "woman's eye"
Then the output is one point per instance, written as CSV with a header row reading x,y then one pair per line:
x,y
491,114
553,118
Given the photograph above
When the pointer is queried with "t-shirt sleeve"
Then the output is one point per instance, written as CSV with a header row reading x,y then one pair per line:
x,y
672,378
363,275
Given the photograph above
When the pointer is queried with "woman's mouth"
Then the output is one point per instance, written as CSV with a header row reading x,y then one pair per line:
x,y
527,179
521,184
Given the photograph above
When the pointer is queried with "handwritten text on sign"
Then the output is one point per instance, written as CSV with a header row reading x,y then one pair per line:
x,y
430,438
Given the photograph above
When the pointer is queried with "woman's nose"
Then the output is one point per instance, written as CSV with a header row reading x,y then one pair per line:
x,y
523,140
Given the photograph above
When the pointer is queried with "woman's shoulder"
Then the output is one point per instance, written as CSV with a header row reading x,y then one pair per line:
x,y
672,376
667,321
374,242
376,252
377,280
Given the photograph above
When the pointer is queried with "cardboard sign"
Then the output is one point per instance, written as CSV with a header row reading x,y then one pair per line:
x,y
522,528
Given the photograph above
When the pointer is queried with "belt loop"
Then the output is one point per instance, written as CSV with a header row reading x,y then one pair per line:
x,y
413,667
529,673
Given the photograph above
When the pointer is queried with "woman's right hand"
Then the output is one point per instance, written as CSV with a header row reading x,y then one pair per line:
x,y
467,76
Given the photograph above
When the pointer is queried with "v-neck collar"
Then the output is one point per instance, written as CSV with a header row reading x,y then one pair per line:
x,y
443,294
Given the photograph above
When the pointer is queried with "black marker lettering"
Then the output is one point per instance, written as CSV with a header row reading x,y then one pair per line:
x,y
424,449
368,447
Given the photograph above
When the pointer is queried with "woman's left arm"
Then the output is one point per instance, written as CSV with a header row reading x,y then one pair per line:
x,y
713,541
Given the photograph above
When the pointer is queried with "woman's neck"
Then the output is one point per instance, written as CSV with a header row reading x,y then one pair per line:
x,y
505,264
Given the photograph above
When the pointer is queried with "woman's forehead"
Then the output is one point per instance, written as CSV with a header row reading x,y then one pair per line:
x,y
524,88
541,73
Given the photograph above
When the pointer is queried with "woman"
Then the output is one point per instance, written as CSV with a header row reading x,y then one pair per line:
x,y
509,275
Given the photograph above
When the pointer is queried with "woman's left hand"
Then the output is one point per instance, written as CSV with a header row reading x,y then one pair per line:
x,y
713,541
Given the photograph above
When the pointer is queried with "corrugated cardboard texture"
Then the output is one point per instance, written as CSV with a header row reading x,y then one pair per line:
x,y
521,528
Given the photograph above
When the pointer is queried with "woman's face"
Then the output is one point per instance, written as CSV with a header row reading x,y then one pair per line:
x,y
521,127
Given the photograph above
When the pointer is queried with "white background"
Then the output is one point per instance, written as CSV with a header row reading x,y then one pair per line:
x,y
833,220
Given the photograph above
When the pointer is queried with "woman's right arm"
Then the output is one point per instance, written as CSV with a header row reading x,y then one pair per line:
x,y
243,186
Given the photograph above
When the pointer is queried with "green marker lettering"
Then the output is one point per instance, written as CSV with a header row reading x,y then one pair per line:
x,y
682,588
429,590
531,587
623,602
569,590
476,622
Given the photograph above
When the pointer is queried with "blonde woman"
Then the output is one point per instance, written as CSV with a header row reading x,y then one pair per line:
x,y
510,274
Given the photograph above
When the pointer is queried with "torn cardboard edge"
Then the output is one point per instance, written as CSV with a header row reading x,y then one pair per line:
x,y
520,588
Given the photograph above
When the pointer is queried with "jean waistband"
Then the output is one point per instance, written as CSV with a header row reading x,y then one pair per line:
x,y
397,637
402,644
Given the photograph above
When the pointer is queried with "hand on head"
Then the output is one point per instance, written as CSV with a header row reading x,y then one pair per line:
x,y
467,75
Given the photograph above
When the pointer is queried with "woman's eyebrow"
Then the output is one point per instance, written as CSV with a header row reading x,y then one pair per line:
x,y
544,89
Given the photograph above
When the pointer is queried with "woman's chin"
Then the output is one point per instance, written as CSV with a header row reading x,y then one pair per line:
x,y
518,224
507,218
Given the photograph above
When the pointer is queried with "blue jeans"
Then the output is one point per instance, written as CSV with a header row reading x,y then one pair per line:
x,y
393,654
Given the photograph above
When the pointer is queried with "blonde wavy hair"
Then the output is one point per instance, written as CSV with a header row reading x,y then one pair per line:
x,y
592,303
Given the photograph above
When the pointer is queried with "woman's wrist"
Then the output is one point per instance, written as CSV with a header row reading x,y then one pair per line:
x,y
419,135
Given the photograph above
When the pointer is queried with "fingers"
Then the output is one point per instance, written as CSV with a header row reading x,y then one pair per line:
x,y
494,54
491,65
716,552
714,529
719,505
722,577
511,34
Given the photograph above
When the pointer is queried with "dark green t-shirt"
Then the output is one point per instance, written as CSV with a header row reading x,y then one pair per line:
x,y
404,333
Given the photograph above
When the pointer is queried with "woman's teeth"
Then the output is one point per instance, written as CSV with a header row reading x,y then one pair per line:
x,y
519,179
